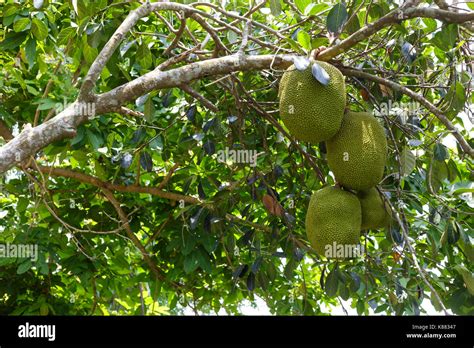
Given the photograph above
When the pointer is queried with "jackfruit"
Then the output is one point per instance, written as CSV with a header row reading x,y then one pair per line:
x,y
311,111
358,152
374,212
333,223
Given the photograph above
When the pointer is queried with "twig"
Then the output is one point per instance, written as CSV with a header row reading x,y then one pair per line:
x,y
115,187
177,37
123,217
196,95
168,176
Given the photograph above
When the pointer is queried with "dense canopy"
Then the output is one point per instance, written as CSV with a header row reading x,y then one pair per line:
x,y
142,152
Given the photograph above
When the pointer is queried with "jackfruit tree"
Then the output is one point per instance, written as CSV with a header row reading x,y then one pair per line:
x,y
190,157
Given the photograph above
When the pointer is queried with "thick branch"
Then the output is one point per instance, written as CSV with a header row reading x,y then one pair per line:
x,y
394,17
31,140
109,48
63,125
437,112
184,75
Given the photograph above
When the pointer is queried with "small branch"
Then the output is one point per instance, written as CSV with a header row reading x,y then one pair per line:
x,y
114,187
236,16
245,37
177,37
413,255
433,109
176,59
5,131
234,218
168,177
128,112
196,95
123,217
212,32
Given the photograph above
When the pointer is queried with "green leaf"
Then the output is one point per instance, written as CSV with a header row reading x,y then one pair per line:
x,y
30,51
203,261
407,161
275,7
149,109
314,9
65,34
430,24
446,38
90,53
289,269
22,204
24,267
304,39
95,139
39,29
156,143
191,263
46,104
440,152
302,4
144,56
467,276
145,161
10,10
12,40
353,24
44,309
438,173
360,307
455,99
21,24
332,282
336,18
294,46
470,4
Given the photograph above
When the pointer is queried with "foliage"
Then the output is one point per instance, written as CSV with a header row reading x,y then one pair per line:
x,y
230,247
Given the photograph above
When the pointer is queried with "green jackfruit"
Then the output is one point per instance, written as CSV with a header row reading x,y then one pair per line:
x,y
333,223
374,212
358,152
311,111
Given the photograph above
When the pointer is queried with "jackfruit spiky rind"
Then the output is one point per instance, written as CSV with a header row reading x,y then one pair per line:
x,y
358,152
333,215
311,111
374,212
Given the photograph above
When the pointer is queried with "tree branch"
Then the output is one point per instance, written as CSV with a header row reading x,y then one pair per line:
x,y
184,75
196,95
109,48
123,217
5,132
88,179
433,109
394,17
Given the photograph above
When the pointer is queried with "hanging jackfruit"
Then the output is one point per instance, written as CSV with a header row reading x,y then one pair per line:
x,y
310,110
358,152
